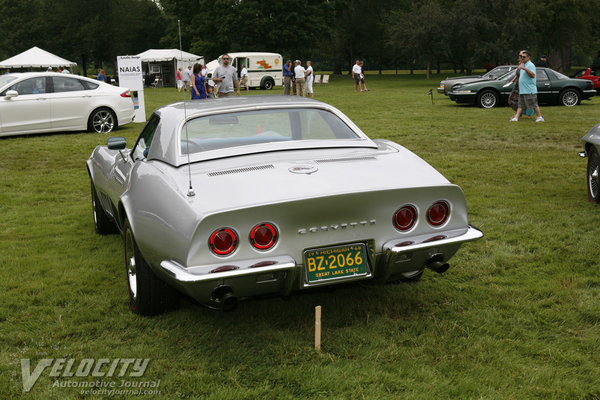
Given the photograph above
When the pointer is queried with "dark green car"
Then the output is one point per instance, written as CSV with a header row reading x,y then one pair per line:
x,y
553,87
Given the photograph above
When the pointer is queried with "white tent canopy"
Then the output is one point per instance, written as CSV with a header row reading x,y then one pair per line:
x,y
35,58
162,55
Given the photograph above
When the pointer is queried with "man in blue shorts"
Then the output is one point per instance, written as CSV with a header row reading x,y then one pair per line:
x,y
527,87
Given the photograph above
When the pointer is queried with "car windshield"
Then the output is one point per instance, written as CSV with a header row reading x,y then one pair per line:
x,y
495,73
508,76
4,79
253,127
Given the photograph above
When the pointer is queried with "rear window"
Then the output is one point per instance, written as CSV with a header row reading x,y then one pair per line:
x,y
254,127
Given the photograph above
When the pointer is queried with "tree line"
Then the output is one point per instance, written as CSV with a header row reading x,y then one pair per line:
x,y
386,34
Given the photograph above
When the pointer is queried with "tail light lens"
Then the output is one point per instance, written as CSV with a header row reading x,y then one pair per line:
x,y
126,94
223,241
405,218
438,213
263,236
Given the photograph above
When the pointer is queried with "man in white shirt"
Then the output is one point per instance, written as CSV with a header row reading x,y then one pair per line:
x,y
356,71
309,79
300,82
244,77
187,77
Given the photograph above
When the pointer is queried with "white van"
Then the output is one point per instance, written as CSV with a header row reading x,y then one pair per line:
x,y
265,70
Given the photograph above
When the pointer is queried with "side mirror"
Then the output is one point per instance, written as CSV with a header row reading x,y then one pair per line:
x,y
116,143
11,93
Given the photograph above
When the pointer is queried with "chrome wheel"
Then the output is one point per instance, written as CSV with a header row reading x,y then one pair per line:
x,y
102,121
488,99
130,266
569,98
593,176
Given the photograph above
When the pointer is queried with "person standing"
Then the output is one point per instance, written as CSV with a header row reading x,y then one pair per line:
x,y
244,77
65,70
300,82
198,85
186,76
543,62
101,76
309,79
287,77
178,80
362,78
596,64
527,87
356,71
226,76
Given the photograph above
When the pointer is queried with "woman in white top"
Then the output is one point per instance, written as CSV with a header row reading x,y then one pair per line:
x,y
309,79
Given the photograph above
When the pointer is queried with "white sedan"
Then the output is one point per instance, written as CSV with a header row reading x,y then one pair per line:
x,y
36,102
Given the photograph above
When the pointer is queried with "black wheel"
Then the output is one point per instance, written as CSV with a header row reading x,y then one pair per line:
x,y
148,295
593,178
487,99
102,120
268,85
569,97
102,222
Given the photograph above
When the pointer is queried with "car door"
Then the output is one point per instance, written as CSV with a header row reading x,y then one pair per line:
x,y
544,86
29,111
122,168
70,103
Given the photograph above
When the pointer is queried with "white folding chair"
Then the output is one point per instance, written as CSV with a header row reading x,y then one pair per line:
x,y
325,79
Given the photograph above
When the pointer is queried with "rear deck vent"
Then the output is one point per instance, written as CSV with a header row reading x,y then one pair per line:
x,y
328,160
240,170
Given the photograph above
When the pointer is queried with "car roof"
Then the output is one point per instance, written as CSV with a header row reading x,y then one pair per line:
x,y
165,144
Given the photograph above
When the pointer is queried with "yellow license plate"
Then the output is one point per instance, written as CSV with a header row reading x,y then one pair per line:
x,y
335,262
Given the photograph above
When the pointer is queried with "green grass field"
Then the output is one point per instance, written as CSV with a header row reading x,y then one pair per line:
x,y
516,317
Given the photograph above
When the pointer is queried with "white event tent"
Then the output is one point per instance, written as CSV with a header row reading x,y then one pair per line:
x,y
163,63
36,58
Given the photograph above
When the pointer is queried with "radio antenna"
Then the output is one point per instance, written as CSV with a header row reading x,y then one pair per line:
x,y
190,192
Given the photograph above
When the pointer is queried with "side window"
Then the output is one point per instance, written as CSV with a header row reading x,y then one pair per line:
x,y
89,85
30,86
541,75
66,84
140,151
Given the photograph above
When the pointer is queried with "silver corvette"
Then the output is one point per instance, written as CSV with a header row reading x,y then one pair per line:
x,y
238,197
591,143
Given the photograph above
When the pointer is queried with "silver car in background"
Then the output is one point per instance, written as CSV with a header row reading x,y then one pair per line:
x,y
37,102
231,198
447,84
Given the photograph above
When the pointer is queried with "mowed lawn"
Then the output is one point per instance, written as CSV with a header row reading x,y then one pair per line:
x,y
517,316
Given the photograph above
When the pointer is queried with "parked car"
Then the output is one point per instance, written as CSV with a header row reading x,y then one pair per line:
x,y
591,143
36,102
447,84
237,197
590,75
552,86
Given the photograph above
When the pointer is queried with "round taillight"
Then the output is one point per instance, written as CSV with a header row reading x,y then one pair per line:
x,y
263,236
405,218
438,213
223,241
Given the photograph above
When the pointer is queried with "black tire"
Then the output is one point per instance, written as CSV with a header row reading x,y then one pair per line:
x,y
103,225
268,85
148,295
102,120
487,99
593,178
569,97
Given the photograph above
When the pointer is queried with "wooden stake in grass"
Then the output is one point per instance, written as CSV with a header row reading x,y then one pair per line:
x,y
318,328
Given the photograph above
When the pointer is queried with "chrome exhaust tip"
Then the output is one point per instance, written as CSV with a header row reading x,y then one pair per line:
x,y
436,263
222,297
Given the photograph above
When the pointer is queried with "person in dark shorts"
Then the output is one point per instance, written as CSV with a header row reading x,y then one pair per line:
x,y
527,87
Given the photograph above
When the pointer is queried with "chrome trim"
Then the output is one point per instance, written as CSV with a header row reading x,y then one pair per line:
x,y
471,234
582,154
182,274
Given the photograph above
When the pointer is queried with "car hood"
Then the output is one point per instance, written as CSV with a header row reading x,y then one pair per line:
x,y
593,135
251,180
